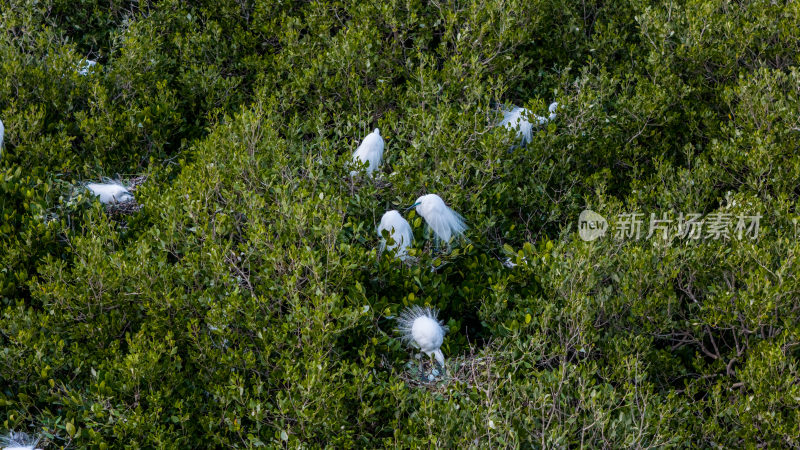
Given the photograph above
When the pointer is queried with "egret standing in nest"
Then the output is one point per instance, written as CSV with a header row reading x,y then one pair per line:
x,y
110,193
370,152
444,222
399,231
19,441
421,328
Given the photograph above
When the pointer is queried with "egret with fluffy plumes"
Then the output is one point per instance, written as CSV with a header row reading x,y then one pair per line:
x,y
19,441
399,231
445,223
110,193
370,152
420,327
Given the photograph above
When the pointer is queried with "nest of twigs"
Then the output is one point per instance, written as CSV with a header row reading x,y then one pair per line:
x,y
378,179
471,370
124,208
382,183
117,210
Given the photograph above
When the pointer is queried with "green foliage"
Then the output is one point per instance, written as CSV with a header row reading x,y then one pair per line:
x,y
246,303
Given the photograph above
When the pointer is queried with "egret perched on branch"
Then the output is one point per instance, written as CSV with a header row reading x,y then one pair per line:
x,y
110,193
400,232
509,262
19,441
552,109
420,328
519,119
86,66
444,222
522,120
370,152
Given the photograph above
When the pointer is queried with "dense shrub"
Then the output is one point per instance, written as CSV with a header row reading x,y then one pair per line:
x,y
246,303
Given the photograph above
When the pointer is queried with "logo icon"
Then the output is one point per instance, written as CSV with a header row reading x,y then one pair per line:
x,y
591,225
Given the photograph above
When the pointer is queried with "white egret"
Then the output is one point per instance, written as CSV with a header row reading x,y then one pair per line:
x,y
513,119
85,66
2,133
444,222
420,327
370,152
509,262
110,193
519,119
522,120
552,109
399,230
19,441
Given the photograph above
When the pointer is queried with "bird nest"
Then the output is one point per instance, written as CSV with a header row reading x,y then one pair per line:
x,y
124,208
379,179
472,370
382,183
116,210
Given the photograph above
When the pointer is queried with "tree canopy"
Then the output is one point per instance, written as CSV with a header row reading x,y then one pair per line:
x,y
244,301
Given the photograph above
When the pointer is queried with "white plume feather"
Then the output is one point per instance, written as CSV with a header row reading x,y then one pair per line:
x,y
522,120
19,441
399,230
515,119
444,222
110,193
370,152
420,327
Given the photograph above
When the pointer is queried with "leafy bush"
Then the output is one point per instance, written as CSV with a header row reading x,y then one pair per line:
x,y
246,303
